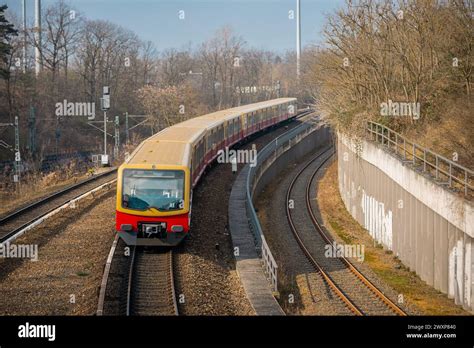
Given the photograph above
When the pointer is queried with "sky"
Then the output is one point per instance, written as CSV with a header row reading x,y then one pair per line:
x,y
263,24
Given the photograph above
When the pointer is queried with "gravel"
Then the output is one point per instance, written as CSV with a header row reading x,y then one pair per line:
x,y
297,278
206,274
299,285
73,248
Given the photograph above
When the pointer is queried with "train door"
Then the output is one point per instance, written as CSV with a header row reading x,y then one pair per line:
x,y
213,143
225,132
254,123
208,146
245,119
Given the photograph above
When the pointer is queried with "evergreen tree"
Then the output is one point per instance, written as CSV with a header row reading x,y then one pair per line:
x,y
6,31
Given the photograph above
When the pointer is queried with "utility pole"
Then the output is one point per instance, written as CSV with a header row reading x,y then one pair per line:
x,y
32,131
298,37
138,123
105,133
127,135
24,35
105,105
38,58
16,177
117,137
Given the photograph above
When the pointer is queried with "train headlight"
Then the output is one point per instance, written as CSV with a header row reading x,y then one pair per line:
x,y
177,228
126,227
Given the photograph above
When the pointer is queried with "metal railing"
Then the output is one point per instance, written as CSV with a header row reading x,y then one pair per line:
x,y
270,265
439,168
264,159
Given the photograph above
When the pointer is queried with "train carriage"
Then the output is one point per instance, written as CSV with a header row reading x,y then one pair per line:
x,y
154,185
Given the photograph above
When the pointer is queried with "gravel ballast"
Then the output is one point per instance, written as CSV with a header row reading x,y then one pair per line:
x,y
72,249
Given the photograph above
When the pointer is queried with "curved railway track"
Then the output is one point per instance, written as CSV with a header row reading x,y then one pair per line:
x,y
352,288
14,223
124,288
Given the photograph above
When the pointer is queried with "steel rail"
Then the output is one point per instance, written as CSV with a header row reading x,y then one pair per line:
x,y
352,307
346,262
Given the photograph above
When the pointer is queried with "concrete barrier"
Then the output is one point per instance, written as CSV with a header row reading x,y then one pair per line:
x,y
430,228
245,230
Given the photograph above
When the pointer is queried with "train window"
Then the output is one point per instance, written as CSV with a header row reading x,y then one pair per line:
x,y
159,189
209,140
201,151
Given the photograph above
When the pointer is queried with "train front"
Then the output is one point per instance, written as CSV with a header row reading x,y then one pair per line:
x,y
153,204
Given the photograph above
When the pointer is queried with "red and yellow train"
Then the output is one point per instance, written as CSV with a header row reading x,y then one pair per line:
x,y
154,186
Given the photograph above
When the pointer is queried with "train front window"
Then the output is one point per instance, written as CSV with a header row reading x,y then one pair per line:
x,y
159,189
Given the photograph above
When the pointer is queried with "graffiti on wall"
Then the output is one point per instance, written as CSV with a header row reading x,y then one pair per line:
x,y
377,220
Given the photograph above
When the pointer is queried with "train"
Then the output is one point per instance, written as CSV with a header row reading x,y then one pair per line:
x,y
155,183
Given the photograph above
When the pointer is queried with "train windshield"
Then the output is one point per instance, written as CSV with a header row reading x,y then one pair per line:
x,y
159,189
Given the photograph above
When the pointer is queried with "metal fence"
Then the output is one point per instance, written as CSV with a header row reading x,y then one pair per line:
x,y
269,263
439,168
265,158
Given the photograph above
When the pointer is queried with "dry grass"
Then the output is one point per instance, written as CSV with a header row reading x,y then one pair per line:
x,y
339,222
452,136
36,185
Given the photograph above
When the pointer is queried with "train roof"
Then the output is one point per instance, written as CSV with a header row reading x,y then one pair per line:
x,y
166,152
171,145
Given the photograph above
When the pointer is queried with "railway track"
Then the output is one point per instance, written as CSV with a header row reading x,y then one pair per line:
x,y
124,289
358,294
151,283
16,222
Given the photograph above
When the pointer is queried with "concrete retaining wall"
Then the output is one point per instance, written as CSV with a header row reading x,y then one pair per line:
x,y
428,227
